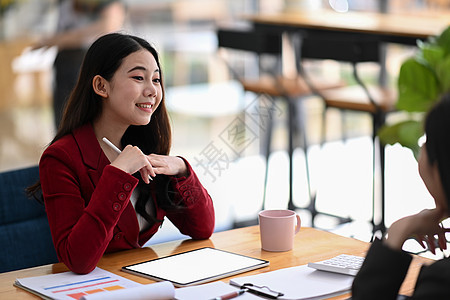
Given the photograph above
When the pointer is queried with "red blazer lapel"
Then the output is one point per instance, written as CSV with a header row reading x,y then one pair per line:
x,y
95,160
91,153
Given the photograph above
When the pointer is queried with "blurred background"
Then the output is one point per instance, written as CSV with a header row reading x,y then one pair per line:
x,y
205,100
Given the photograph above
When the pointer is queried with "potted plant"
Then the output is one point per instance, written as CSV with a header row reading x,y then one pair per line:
x,y
421,82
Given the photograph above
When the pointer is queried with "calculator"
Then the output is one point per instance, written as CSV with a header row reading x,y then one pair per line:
x,y
343,264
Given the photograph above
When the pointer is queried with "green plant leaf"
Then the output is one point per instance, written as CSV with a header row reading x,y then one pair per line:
x,y
406,133
443,74
444,41
430,55
418,87
421,82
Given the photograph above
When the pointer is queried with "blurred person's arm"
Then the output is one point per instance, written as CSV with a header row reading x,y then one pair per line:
x,y
112,18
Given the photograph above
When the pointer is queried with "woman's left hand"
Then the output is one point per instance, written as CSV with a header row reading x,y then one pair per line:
x,y
168,165
423,226
428,226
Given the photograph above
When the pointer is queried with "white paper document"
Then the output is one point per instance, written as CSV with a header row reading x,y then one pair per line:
x,y
163,290
97,284
300,282
209,291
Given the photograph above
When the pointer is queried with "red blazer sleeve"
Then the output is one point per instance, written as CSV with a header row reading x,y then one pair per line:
x,y
197,219
81,232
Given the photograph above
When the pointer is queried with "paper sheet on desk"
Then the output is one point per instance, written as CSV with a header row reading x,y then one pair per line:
x,y
163,290
70,286
300,282
210,291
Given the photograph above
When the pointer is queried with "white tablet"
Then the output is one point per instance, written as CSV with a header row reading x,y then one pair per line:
x,y
196,266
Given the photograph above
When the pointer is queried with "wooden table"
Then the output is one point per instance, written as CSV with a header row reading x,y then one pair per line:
x,y
310,245
395,28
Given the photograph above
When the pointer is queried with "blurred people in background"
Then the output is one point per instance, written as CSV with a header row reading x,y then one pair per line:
x,y
80,22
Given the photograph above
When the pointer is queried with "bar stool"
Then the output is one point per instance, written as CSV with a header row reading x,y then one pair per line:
x,y
375,100
290,90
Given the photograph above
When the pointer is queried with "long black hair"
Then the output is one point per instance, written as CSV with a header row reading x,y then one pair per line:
x,y
84,106
437,130
103,58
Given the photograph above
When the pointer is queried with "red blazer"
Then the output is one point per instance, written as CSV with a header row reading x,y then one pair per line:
x,y
88,203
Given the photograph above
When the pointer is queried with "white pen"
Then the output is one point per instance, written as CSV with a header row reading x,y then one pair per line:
x,y
114,147
111,145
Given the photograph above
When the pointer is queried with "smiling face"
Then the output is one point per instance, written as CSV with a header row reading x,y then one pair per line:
x,y
134,92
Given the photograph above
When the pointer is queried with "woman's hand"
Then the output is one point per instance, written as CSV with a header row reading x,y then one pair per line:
x,y
132,160
423,226
168,165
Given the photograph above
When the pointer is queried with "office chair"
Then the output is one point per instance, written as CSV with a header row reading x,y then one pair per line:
x,y
24,231
273,84
375,100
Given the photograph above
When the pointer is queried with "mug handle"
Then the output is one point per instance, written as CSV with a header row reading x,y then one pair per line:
x,y
299,222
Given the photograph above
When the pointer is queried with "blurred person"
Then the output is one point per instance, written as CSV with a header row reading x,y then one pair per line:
x,y
80,22
99,200
386,264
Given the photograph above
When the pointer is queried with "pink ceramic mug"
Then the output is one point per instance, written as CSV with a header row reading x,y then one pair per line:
x,y
278,228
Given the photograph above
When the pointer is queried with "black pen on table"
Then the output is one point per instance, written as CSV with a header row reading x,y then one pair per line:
x,y
114,147
230,295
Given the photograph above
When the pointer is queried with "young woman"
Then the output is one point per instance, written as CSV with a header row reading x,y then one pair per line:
x,y
386,265
100,200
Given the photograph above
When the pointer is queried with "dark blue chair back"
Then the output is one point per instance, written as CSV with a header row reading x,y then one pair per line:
x,y
25,237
